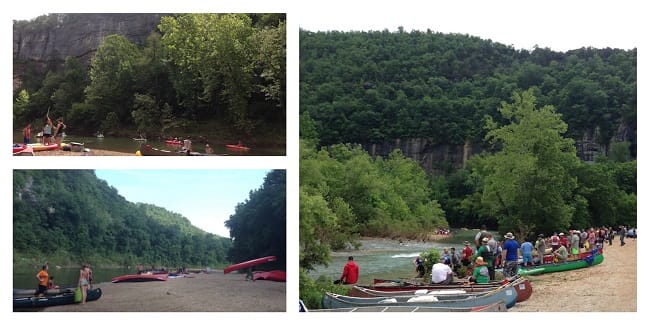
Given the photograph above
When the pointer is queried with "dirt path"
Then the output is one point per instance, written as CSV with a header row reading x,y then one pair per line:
x,y
608,287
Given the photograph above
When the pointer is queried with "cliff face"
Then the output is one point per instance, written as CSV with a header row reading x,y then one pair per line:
x,y
48,40
440,158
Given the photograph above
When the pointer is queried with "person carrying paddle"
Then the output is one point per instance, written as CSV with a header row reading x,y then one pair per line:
x,y
47,132
350,273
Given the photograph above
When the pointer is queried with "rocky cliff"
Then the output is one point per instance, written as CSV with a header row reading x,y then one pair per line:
x,y
47,40
443,158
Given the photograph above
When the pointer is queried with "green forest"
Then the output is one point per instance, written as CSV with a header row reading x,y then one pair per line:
x,y
211,74
526,108
68,216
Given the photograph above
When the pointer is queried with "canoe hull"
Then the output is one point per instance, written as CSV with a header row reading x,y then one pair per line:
x,y
56,300
565,266
139,278
250,263
275,275
495,307
506,293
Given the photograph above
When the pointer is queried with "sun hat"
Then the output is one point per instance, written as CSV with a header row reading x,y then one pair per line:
x,y
561,234
479,261
485,240
466,243
509,235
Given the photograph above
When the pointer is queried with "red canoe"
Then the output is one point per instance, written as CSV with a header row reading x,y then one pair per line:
x,y
236,147
174,142
139,278
250,263
275,275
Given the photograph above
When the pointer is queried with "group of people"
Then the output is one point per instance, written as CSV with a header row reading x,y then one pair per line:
x,y
45,281
49,131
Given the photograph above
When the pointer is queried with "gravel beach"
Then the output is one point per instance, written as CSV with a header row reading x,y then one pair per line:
x,y
196,293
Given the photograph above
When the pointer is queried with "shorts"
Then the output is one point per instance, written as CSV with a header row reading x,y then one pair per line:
x,y
84,282
41,289
528,258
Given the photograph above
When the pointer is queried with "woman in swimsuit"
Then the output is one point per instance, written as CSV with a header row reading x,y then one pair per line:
x,y
84,282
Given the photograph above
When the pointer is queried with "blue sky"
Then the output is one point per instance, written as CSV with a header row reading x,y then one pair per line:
x,y
206,197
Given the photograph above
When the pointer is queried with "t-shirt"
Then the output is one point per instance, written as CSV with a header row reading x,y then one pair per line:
x,y
511,246
527,248
43,278
439,272
485,252
563,253
481,274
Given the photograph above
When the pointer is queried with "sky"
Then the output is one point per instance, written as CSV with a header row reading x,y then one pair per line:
x,y
204,196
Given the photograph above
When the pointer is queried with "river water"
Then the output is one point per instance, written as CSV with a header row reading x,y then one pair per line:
x,y
128,145
382,258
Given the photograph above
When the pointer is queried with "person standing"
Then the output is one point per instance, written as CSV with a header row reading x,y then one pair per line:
x,y
47,132
43,279
84,282
58,131
441,273
27,134
455,260
623,232
487,255
466,260
575,244
555,241
350,272
527,253
479,236
540,246
510,255
419,266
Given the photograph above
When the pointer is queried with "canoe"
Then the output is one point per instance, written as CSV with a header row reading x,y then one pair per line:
x,y
588,261
139,278
49,292
55,300
506,293
249,263
147,150
275,275
236,147
499,306
174,142
41,147
523,287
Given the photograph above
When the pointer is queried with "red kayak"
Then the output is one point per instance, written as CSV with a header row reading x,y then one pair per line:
x,y
250,263
139,278
275,275
18,147
237,147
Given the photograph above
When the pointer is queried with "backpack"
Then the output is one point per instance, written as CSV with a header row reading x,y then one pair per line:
x,y
492,244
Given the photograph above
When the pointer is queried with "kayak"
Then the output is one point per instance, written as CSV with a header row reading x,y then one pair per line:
x,y
18,147
41,147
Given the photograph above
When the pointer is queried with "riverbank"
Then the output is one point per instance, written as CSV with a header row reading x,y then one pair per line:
x,y
608,287
196,293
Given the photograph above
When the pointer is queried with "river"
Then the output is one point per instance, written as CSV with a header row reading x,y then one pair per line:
x,y
128,145
382,258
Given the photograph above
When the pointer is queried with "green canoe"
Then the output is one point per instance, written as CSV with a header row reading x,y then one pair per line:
x,y
564,266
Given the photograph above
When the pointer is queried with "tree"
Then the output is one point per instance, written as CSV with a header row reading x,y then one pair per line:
x,y
112,78
528,184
